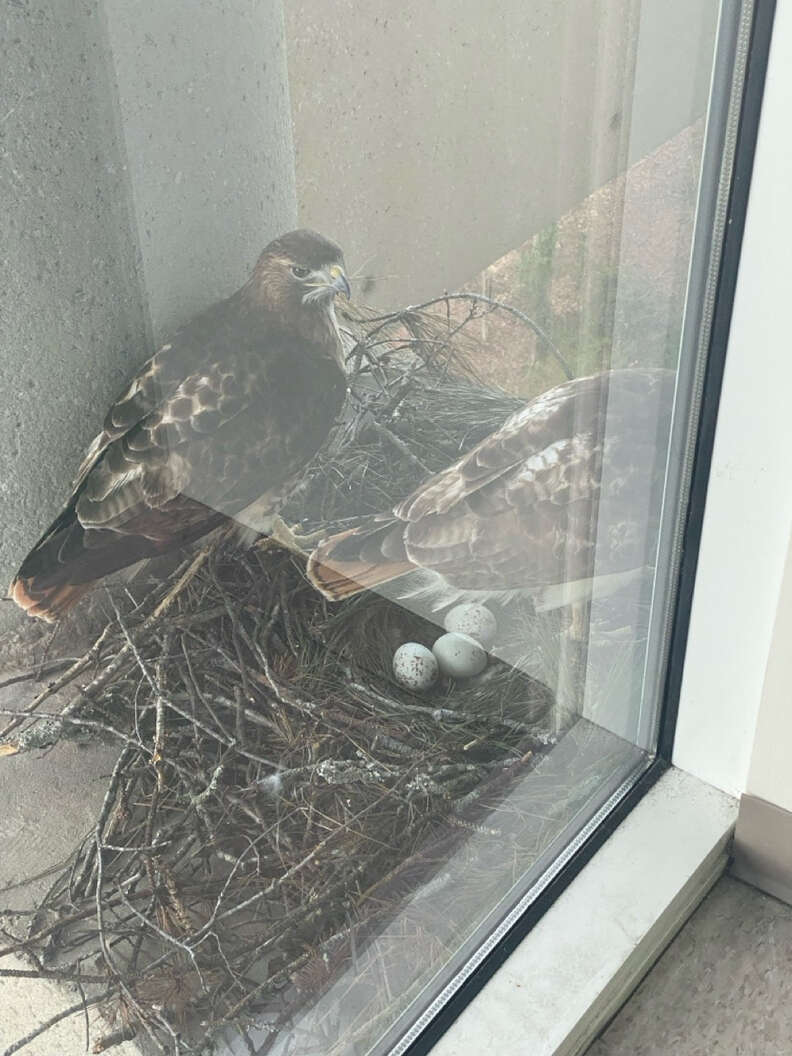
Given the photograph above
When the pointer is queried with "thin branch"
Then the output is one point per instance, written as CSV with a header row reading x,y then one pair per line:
x,y
42,1028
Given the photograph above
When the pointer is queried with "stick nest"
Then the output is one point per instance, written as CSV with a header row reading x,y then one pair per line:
x,y
276,794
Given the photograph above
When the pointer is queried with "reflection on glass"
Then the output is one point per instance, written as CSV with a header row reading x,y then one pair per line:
x,y
381,666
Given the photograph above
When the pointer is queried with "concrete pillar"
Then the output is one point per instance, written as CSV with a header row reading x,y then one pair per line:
x,y
203,104
145,158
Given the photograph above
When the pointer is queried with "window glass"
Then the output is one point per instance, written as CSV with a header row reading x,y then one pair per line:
x,y
354,616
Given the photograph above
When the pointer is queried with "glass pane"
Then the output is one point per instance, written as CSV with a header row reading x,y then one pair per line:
x,y
355,612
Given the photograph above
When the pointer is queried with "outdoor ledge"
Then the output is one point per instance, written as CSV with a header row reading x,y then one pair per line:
x,y
588,952
575,968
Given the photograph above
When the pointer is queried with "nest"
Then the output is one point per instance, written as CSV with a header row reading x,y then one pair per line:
x,y
276,794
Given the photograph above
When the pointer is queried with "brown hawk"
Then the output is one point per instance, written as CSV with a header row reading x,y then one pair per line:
x,y
565,494
227,412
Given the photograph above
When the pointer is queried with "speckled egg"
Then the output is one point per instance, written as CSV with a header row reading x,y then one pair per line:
x,y
414,666
459,655
474,620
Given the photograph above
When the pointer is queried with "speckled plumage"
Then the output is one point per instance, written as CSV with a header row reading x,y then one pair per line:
x,y
573,478
227,411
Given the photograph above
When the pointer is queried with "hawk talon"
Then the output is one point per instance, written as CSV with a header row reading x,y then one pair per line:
x,y
290,539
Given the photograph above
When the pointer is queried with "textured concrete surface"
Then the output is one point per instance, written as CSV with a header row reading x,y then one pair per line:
x,y
48,802
27,1002
204,109
145,159
72,321
722,988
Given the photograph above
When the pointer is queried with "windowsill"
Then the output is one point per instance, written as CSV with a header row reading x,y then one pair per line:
x,y
586,954
583,958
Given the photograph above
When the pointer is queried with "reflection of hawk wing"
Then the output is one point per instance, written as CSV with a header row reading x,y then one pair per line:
x,y
567,487
224,414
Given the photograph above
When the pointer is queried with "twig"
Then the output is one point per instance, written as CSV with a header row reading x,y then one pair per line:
x,y
68,676
480,298
276,796
109,1041
42,1028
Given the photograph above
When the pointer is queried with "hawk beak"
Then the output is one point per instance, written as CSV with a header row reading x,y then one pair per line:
x,y
326,284
339,282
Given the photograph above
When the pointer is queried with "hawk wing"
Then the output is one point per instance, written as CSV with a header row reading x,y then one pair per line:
x,y
569,480
159,378
156,380
143,465
177,455
136,493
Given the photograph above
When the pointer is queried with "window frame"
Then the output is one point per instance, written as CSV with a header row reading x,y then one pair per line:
x,y
749,61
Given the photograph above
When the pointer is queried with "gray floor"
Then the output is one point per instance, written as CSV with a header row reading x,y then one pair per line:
x,y
722,988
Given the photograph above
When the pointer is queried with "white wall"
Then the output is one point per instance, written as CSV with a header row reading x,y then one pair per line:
x,y
748,515
770,773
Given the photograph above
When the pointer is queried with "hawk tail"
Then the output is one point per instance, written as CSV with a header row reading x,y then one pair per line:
x,y
360,558
70,559
47,602
46,585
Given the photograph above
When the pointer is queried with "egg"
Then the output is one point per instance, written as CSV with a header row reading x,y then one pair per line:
x,y
459,655
414,666
474,620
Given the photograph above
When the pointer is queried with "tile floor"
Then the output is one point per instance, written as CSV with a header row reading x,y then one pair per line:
x,y
722,988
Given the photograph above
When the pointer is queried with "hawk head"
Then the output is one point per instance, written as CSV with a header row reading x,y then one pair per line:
x,y
298,276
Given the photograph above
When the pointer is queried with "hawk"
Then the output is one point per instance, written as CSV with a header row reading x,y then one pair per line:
x,y
565,495
225,414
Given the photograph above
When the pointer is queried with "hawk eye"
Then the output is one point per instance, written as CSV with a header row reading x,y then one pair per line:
x,y
298,272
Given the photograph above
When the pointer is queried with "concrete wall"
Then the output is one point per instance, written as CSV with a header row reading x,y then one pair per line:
x,y
145,158
433,137
203,103
72,314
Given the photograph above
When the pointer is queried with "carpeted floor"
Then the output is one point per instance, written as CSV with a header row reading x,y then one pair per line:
x,y
722,988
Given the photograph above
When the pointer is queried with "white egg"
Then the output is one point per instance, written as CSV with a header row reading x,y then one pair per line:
x,y
414,666
474,620
459,655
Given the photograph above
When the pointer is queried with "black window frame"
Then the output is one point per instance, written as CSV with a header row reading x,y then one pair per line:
x,y
762,17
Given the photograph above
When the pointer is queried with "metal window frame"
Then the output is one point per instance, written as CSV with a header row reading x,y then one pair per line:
x,y
720,227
